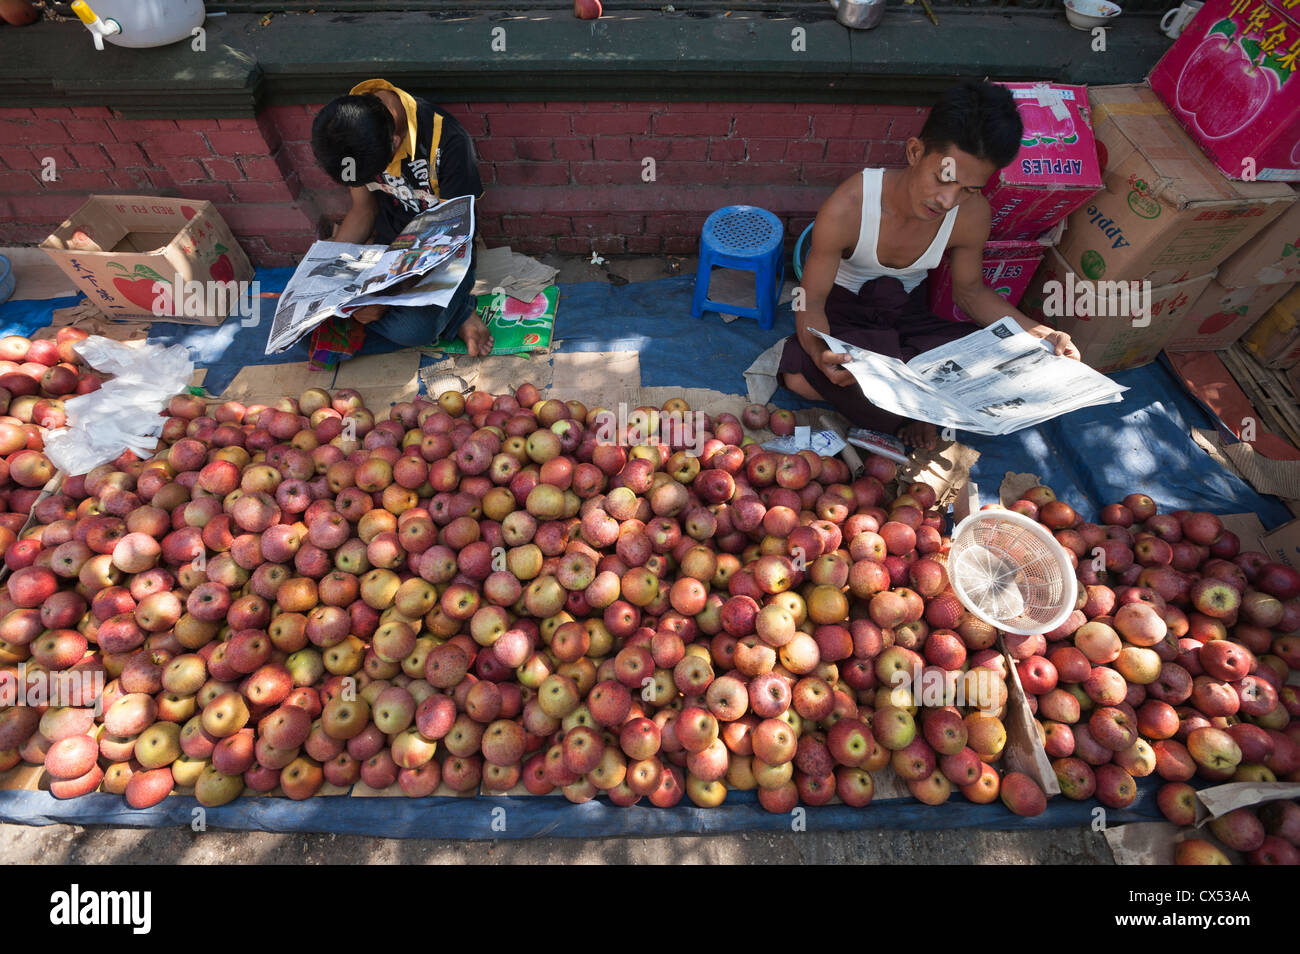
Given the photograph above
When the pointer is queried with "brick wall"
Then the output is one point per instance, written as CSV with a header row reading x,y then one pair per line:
x,y
562,176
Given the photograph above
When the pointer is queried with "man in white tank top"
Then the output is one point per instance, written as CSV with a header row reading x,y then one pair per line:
x,y
880,233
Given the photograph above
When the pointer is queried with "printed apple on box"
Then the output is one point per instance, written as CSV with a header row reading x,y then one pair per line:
x,y
1056,169
1222,315
115,248
1230,79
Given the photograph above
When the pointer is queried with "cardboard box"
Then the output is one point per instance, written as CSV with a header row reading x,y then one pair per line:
x,y
1230,80
1283,544
1008,268
1275,339
116,247
1110,342
1271,256
1056,169
1166,214
1222,315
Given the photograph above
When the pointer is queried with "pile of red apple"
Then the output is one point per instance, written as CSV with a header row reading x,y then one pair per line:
x,y
35,377
477,593
1175,662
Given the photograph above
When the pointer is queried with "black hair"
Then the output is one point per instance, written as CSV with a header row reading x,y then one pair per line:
x,y
359,128
977,117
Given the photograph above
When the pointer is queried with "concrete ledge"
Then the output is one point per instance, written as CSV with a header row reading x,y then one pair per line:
x,y
647,56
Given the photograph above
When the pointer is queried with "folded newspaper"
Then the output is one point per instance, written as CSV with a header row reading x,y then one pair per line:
x,y
993,381
423,266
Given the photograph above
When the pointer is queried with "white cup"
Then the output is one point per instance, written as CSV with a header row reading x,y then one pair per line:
x,y
1172,23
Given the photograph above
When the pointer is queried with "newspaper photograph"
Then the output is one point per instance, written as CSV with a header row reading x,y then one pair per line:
x,y
423,266
993,381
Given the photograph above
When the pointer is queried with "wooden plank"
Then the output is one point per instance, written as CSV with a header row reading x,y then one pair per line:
x,y
1269,392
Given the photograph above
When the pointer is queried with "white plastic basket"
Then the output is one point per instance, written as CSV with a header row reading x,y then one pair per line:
x,y
1010,572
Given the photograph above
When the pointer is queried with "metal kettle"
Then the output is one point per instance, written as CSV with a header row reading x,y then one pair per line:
x,y
859,14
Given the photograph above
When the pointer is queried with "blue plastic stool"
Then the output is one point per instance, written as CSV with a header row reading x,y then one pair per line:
x,y
747,238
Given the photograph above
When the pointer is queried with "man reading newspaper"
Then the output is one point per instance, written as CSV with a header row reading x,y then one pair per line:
x,y
879,234
400,156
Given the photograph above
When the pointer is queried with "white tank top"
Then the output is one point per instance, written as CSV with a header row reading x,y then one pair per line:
x,y
863,266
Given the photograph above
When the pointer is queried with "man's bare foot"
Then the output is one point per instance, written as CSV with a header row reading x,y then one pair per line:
x,y
920,434
475,335
800,386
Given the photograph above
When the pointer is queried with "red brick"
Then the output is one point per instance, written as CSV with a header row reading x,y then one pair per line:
x,y
35,132
18,157
722,150
62,160
761,173
89,157
259,219
184,170
581,245
613,224
237,142
828,173
137,130
535,150
247,123
805,150
612,148
187,144
10,112
533,245
534,173
131,180
886,154
261,169
85,180
525,107
21,182
564,107
294,126
487,173
603,173
496,150
901,110
760,125
848,125
672,223
904,127
93,112
688,150
51,207
761,107
681,244
52,112
223,170
573,149
281,191
644,244
691,124
217,192
612,124
125,154
846,150
88,130
534,224
475,123
765,150
520,124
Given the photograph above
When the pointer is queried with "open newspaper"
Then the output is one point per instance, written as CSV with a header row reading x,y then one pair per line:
x,y
423,266
993,381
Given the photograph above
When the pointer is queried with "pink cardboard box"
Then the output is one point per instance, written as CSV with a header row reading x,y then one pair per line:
x,y
1008,267
1056,169
1230,80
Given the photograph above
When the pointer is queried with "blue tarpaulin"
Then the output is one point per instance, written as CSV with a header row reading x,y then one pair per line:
x,y
1091,458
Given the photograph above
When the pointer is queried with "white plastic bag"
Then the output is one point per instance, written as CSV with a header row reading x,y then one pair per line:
x,y
123,414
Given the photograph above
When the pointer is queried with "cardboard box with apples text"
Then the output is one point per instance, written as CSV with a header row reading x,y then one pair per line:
x,y
1056,169
116,248
1008,267
1166,214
